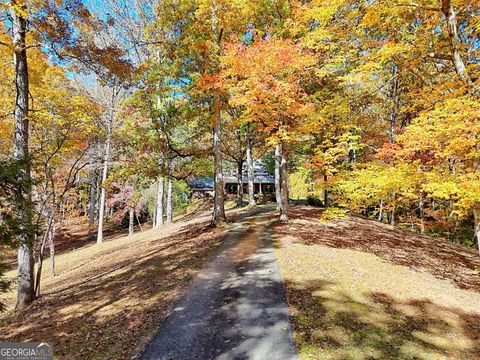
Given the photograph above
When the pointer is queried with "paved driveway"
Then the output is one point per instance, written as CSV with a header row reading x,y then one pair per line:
x,y
235,307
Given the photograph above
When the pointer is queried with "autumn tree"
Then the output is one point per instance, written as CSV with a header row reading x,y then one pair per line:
x,y
235,148
52,26
192,36
266,79
60,139
394,75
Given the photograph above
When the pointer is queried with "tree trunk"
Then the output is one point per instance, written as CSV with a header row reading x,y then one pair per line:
x,y
101,210
240,183
25,279
476,217
394,106
421,209
139,223
380,212
219,206
392,217
352,156
64,207
49,220
131,220
51,247
278,190
169,202
159,211
284,184
325,191
91,209
154,217
251,176
455,42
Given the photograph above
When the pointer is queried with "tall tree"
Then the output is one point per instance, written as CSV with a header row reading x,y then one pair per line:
x,y
51,28
111,101
25,282
192,37
278,180
250,172
234,147
265,78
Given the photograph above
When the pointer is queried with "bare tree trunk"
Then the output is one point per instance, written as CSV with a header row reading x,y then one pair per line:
x,y
25,279
169,202
101,210
218,215
278,190
97,200
455,43
284,184
251,175
219,206
380,213
91,209
154,217
49,223
240,183
51,247
159,211
394,106
131,220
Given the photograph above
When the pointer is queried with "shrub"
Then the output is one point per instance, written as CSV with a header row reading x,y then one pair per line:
x,y
333,213
314,201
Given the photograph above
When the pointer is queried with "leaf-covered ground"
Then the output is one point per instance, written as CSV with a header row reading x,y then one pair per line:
x,y
108,300
359,289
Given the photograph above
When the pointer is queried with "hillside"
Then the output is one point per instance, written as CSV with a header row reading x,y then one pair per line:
x,y
355,288
107,300
361,289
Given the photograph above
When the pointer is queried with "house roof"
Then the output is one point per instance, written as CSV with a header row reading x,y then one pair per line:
x,y
202,183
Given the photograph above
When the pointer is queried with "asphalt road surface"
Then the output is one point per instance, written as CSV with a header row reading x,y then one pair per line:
x,y
235,308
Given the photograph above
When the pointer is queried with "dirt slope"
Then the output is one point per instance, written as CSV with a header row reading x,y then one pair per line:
x,y
359,289
108,300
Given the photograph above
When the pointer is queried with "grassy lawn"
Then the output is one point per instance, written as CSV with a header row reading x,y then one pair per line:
x,y
363,290
108,300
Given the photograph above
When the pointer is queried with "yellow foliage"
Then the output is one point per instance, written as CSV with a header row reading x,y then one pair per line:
x,y
333,213
299,185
